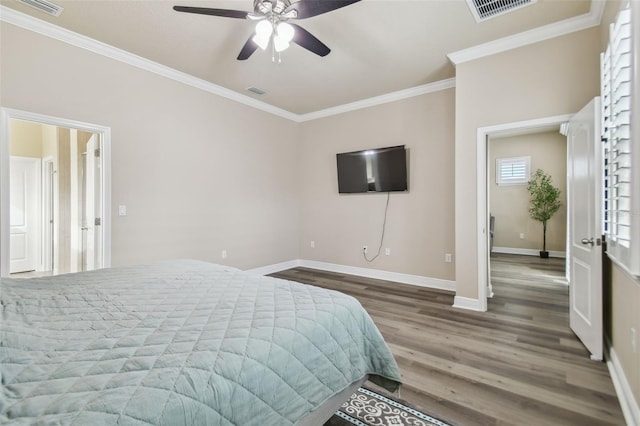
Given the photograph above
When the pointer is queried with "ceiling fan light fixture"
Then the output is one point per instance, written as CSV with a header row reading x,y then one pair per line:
x,y
264,29
285,31
272,17
262,42
280,43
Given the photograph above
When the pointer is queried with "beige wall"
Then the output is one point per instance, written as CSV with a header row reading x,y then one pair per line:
x,y
419,227
549,78
198,173
26,139
50,143
510,203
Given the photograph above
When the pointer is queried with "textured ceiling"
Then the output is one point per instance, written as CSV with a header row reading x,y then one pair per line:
x,y
378,46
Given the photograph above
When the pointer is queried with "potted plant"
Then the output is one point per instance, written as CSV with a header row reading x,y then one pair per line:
x,y
544,201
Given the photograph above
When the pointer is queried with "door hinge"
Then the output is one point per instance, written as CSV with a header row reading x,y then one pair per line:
x,y
97,152
98,221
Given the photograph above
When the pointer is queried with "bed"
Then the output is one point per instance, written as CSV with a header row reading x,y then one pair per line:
x,y
182,343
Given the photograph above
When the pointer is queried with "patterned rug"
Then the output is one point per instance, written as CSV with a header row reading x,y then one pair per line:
x,y
369,408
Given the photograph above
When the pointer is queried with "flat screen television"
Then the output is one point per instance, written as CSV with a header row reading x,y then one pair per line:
x,y
372,170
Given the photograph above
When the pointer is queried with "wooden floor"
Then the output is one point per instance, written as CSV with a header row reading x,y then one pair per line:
x,y
517,364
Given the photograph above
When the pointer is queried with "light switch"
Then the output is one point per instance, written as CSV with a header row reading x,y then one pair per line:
x,y
122,210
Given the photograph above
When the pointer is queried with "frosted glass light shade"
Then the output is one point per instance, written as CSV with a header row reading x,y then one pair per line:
x,y
285,31
264,29
280,44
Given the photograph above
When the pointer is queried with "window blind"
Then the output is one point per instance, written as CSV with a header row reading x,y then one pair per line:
x,y
620,222
513,171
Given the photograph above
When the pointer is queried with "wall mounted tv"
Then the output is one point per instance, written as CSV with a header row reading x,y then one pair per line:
x,y
372,170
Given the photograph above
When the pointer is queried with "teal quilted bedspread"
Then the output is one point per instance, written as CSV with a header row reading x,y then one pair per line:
x,y
179,343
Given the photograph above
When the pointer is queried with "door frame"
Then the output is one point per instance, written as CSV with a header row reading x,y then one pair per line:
x,y
47,215
482,179
7,114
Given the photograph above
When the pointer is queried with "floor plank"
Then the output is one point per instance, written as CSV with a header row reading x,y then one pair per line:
x,y
517,364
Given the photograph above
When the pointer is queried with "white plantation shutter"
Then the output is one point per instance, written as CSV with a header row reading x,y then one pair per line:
x,y
513,171
621,204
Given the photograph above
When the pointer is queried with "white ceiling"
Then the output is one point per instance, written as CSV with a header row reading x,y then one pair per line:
x,y
378,46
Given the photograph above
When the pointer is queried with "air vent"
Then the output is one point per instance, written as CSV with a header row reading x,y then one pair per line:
x,y
486,9
256,90
44,6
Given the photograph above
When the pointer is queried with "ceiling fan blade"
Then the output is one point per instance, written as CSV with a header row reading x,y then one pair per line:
x,y
305,39
309,8
247,50
225,13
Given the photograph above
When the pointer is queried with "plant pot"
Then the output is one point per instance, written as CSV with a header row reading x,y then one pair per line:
x,y
544,254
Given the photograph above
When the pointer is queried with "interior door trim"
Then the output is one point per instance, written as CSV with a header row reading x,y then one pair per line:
x,y
482,218
7,114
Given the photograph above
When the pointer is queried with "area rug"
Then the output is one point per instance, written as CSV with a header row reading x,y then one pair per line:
x,y
369,408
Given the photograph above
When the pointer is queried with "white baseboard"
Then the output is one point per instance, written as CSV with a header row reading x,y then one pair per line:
x,y
271,269
467,303
416,280
628,402
527,252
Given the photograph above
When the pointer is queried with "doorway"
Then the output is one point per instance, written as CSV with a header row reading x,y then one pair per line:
x,y
483,218
55,212
584,225
516,240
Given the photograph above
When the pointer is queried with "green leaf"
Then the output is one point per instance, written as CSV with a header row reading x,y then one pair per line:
x,y
544,198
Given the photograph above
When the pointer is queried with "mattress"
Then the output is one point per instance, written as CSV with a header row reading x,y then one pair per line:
x,y
180,343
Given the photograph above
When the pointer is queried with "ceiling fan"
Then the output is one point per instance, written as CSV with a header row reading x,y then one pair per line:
x,y
272,18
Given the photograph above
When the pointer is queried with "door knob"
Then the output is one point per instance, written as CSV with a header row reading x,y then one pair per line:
x,y
586,241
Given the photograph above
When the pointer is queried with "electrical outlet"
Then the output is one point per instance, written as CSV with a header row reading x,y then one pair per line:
x,y
634,340
522,236
387,251
447,257
224,254
313,244
365,249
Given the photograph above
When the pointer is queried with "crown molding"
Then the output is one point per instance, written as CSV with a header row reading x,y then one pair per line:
x,y
546,32
382,99
53,31
39,26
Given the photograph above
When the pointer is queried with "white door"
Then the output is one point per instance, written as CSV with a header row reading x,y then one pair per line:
x,y
92,220
584,174
24,195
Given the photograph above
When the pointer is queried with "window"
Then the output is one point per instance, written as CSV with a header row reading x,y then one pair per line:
x,y
621,204
513,171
